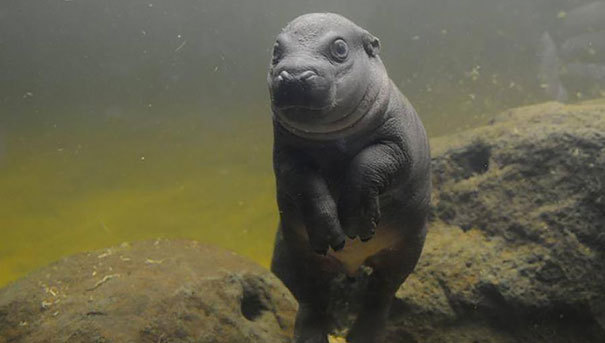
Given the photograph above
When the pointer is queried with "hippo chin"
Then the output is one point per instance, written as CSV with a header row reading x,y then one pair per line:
x,y
352,166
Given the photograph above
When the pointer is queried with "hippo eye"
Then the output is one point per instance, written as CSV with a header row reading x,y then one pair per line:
x,y
339,49
277,53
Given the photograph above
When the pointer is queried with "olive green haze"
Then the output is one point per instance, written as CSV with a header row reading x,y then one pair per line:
x,y
125,120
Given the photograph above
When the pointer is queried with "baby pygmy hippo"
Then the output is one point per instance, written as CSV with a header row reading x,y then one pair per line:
x,y
352,166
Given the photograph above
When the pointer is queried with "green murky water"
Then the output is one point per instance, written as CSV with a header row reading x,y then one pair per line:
x,y
72,187
71,184
123,121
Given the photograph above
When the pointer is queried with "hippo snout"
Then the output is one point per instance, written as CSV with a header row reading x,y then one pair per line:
x,y
285,76
301,89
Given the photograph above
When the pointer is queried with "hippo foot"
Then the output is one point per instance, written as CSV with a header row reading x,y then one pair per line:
x,y
371,331
310,326
316,339
364,337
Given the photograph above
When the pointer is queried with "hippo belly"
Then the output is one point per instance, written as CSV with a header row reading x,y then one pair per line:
x,y
355,252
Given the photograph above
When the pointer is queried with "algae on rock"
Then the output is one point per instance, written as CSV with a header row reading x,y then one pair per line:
x,y
151,291
516,248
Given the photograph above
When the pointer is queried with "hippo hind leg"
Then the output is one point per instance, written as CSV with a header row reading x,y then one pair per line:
x,y
298,271
390,268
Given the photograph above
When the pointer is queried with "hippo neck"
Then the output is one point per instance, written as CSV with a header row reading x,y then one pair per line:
x,y
367,112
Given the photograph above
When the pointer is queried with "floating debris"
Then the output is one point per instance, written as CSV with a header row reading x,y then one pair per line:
x,y
102,281
180,46
105,228
150,261
53,291
46,304
474,73
105,254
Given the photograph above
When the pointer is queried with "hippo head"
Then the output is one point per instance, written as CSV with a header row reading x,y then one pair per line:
x,y
324,74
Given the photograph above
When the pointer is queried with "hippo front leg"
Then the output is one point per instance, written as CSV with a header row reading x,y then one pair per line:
x,y
303,193
369,174
305,203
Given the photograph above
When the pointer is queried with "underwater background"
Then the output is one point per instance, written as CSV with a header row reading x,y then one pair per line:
x,y
127,120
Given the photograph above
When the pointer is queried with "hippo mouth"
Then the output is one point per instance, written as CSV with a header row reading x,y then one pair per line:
x,y
335,121
305,91
300,109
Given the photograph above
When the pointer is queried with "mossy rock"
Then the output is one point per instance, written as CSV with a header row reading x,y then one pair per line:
x,y
151,291
516,248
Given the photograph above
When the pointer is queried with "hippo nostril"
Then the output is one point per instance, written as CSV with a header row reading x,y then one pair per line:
x,y
284,75
307,75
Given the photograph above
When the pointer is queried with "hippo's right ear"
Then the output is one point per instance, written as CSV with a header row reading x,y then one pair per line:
x,y
371,44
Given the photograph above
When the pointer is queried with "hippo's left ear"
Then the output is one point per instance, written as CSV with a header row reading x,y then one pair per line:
x,y
371,44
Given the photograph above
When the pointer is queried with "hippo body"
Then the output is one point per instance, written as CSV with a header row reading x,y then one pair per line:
x,y
352,167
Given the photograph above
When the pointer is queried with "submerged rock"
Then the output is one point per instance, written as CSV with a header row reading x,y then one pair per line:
x,y
162,291
516,249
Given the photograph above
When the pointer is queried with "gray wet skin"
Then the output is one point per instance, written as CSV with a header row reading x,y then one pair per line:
x,y
351,159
